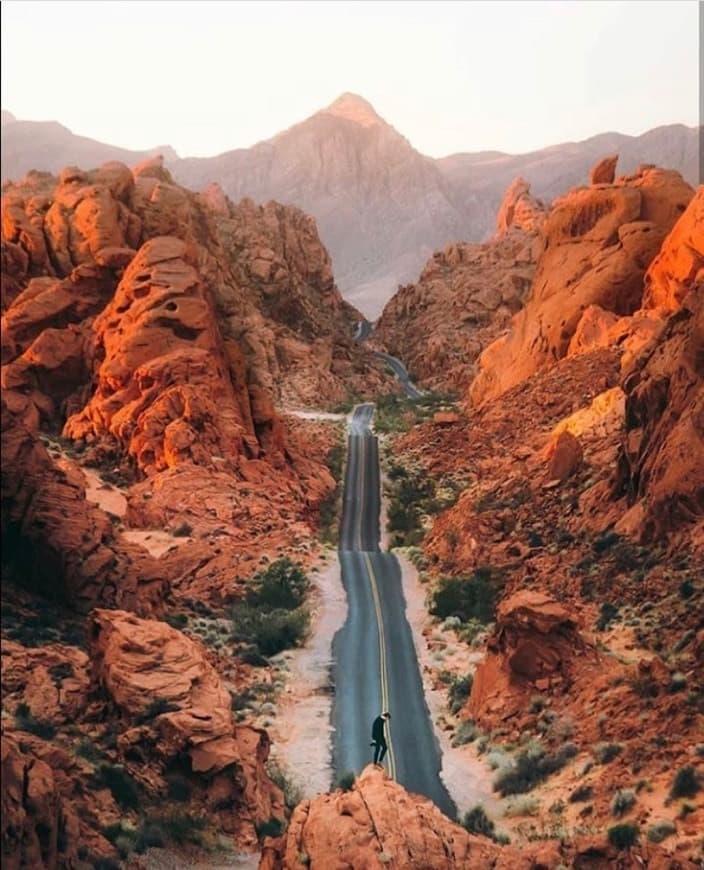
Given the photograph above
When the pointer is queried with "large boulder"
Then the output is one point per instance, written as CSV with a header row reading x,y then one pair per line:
x,y
533,648
377,824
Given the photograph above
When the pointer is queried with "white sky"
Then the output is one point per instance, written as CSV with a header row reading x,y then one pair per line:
x,y
457,76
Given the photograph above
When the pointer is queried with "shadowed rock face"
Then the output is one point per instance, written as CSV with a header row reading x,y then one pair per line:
x,y
465,297
661,461
597,245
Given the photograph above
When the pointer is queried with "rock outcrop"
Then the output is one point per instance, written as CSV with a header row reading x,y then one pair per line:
x,y
176,707
533,648
597,245
374,825
661,461
519,210
604,171
464,297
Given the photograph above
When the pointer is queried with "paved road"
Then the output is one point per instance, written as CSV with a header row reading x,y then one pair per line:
x,y
364,330
375,661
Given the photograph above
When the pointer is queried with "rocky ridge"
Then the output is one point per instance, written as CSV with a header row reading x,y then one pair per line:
x,y
465,297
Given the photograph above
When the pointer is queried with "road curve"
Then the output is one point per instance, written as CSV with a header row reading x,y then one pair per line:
x,y
375,660
364,330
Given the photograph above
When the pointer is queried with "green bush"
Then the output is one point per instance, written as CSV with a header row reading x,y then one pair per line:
x,y
156,707
175,620
476,821
282,586
179,787
88,750
581,794
346,780
623,836
530,768
608,613
274,827
459,690
269,631
122,786
659,830
26,721
606,752
466,597
622,801
685,783
466,733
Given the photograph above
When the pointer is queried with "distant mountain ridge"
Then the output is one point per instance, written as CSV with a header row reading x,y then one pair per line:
x,y
382,207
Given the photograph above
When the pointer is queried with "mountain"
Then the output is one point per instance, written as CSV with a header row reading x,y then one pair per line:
x,y
380,205
49,146
382,208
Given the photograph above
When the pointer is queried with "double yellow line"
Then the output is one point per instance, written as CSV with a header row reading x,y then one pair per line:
x,y
382,660
361,455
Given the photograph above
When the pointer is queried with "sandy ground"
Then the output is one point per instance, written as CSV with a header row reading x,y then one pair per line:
x,y
314,415
302,731
175,859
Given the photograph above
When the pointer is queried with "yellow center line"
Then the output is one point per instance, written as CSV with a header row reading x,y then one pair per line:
x,y
382,659
360,490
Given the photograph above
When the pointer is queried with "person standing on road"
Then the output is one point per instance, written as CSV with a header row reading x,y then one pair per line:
x,y
378,737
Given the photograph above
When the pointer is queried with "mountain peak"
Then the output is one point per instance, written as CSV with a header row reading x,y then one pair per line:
x,y
354,108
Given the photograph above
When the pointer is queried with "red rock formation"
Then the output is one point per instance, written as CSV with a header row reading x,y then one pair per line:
x,y
534,648
64,547
604,171
661,461
177,707
374,825
680,263
164,389
598,243
520,210
465,296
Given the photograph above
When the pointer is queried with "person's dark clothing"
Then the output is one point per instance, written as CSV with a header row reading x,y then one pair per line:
x,y
379,740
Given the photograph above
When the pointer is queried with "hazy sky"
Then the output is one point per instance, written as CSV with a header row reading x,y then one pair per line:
x,y
459,76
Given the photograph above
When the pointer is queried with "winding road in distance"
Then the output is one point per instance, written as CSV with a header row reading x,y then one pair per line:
x,y
375,660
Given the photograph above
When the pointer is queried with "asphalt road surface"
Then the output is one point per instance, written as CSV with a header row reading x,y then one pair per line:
x,y
364,330
375,660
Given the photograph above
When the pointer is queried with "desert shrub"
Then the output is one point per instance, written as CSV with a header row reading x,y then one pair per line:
x,y
269,631
292,793
607,614
537,703
88,750
182,530
645,687
523,806
678,683
476,821
122,786
175,620
623,836
182,828
156,707
282,586
685,783
606,752
605,541
273,827
529,768
466,597
581,794
251,656
458,692
686,589
622,801
661,829
346,780
179,787
466,733
26,721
